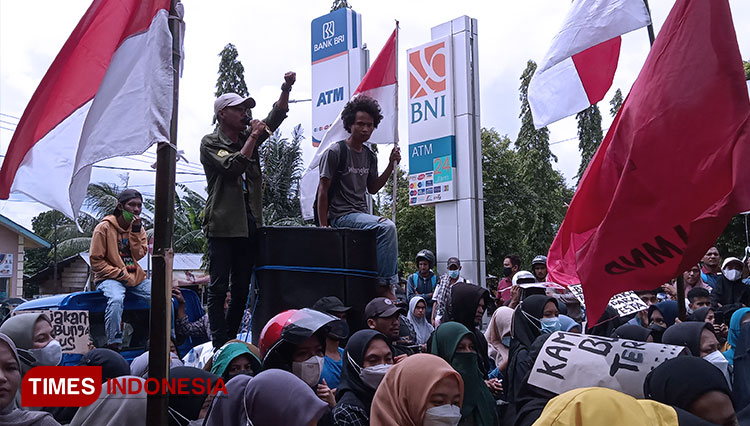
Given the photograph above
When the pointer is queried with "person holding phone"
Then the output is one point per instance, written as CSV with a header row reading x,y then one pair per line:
x,y
119,241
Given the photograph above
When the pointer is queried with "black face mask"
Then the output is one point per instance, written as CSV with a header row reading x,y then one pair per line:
x,y
507,272
656,332
230,376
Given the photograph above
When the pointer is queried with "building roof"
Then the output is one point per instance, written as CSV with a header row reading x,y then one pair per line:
x,y
182,261
34,240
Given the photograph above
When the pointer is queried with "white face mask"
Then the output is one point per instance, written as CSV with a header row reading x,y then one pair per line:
x,y
731,274
442,415
49,355
372,376
719,361
309,370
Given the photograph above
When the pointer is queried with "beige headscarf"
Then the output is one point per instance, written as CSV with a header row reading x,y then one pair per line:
x,y
499,326
114,409
402,395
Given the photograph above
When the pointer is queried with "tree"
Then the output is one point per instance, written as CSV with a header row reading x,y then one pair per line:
x,y
589,135
746,66
340,4
231,73
548,196
415,225
616,102
281,162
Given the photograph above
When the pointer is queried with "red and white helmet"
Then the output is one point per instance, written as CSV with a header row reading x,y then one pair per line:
x,y
293,327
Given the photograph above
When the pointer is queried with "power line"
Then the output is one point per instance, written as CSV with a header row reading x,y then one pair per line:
x,y
8,122
5,128
11,116
145,170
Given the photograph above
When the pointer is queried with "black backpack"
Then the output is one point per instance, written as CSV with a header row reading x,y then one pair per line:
x,y
336,180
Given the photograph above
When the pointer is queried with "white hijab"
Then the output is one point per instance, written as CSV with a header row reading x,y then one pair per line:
x,y
423,328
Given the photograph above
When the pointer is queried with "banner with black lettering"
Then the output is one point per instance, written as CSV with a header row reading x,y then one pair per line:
x,y
569,361
70,329
625,303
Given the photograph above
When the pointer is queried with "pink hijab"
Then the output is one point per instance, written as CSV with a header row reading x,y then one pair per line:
x,y
499,326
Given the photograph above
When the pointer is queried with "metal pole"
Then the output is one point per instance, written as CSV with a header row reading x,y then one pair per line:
x,y
161,306
395,145
681,312
54,255
650,27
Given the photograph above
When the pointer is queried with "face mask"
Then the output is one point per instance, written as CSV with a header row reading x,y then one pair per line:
x,y
657,331
550,325
309,370
507,272
372,376
453,273
442,415
506,341
731,274
717,359
127,216
49,355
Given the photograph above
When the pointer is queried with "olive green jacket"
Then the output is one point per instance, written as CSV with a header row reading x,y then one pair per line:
x,y
235,183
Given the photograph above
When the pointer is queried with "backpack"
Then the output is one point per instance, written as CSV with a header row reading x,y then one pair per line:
x,y
336,179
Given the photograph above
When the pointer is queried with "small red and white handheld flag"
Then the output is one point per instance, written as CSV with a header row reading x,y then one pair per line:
x,y
672,170
108,93
580,65
379,83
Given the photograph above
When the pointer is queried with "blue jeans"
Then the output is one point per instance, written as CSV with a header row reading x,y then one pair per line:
x,y
387,241
114,291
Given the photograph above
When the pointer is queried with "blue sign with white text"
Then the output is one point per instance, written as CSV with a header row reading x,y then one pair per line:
x,y
329,34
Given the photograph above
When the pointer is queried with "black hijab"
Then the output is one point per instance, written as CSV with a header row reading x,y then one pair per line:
x,y
632,332
186,406
465,298
687,334
112,363
352,390
700,314
680,381
607,323
527,323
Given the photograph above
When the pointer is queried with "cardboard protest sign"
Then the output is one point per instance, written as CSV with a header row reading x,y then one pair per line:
x,y
569,361
625,303
70,328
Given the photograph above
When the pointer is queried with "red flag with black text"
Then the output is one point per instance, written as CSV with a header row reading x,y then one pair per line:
x,y
672,170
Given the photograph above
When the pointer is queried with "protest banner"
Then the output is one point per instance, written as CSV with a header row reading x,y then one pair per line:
x,y
569,361
70,328
625,303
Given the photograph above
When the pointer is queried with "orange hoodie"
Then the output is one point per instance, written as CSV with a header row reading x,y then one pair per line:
x,y
106,260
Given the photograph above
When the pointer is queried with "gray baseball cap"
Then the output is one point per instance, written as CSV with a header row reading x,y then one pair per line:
x,y
232,99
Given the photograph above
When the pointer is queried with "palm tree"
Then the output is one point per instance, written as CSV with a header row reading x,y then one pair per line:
x,y
281,160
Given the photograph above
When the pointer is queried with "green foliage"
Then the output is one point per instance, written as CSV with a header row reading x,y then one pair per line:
x,y
340,4
732,241
231,73
746,66
415,225
616,102
589,135
188,235
281,162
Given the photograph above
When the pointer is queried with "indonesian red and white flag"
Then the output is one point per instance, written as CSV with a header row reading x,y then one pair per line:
x,y
580,65
672,170
108,93
379,83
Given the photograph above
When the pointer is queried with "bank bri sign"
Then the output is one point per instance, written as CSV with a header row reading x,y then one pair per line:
x,y
432,137
337,66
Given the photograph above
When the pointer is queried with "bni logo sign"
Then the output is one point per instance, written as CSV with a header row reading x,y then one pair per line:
x,y
427,68
328,30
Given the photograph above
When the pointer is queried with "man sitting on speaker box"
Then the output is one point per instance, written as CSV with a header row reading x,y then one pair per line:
x,y
348,171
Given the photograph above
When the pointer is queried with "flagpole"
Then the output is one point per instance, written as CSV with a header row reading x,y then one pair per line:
x,y
395,143
650,26
161,307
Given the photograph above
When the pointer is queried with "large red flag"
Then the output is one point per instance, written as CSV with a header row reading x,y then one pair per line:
x,y
672,170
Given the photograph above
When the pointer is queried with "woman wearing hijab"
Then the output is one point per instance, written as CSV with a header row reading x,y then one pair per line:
x,y
112,364
417,318
421,390
607,323
468,302
660,317
234,358
694,385
190,405
273,397
139,365
368,356
10,382
569,324
116,408
739,317
698,337
455,343
602,406
498,336
702,314
633,332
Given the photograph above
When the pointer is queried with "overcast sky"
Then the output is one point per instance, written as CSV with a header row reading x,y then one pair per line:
x,y
273,37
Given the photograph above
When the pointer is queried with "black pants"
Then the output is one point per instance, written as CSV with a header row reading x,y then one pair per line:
x,y
231,262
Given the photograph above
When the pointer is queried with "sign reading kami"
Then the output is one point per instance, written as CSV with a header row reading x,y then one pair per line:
x,y
625,303
432,141
569,361
71,329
